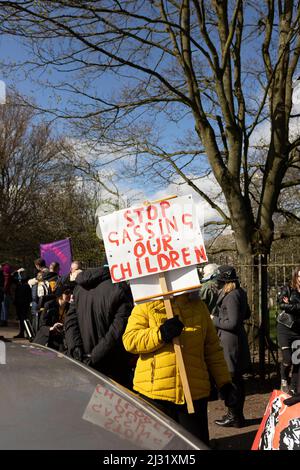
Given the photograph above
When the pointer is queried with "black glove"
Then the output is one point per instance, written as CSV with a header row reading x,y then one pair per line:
x,y
229,393
170,329
77,353
293,400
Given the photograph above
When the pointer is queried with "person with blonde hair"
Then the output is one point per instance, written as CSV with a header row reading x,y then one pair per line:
x,y
233,310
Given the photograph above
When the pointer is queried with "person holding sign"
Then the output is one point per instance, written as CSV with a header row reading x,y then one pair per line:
x,y
149,333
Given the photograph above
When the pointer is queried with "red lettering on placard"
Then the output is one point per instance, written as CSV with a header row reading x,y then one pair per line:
x,y
113,274
139,249
115,239
174,256
123,269
200,254
152,212
161,226
139,213
172,224
126,236
137,232
166,243
185,255
151,233
108,393
96,408
164,205
185,221
163,262
154,248
130,220
126,269
138,265
148,267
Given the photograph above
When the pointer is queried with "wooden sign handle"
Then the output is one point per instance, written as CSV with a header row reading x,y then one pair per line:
x,y
168,293
177,349
147,203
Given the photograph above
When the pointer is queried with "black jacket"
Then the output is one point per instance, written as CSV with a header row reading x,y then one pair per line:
x,y
22,294
233,311
49,317
97,320
293,305
1,286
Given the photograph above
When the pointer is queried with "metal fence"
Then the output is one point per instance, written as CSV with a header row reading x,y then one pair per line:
x,y
262,277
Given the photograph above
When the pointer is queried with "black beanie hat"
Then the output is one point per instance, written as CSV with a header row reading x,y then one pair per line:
x,y
226,274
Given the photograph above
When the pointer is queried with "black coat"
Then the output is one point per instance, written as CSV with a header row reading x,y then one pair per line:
x,y
1,286
233,310
292,307
97,320
49,317
22,295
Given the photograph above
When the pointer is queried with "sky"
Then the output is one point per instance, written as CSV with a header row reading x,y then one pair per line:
x,y
12,50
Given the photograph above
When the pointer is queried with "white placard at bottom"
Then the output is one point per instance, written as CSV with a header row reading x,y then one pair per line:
x,y
176,279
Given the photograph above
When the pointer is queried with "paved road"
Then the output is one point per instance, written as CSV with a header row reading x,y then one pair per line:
x,y
11,330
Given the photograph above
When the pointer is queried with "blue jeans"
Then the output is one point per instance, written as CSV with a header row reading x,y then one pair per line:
x,y
5,308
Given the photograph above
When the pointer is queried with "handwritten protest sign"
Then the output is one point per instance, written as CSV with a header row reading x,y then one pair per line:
x,y
280,426
152,238
117,415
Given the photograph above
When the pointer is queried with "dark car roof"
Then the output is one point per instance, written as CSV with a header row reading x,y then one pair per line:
x,y
49,401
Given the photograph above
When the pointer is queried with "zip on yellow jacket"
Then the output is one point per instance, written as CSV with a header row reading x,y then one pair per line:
x,y
156,374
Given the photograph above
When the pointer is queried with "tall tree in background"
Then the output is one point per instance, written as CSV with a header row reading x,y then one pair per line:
x,y
28,164
223,68
41,199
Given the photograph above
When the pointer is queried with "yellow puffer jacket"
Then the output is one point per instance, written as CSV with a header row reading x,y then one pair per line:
x,y
156,374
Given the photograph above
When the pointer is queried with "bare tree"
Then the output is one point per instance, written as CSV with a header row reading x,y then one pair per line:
x,y
40,198
28,163
225,67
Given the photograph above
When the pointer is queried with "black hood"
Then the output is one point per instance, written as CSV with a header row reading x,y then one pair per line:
x,y
91,278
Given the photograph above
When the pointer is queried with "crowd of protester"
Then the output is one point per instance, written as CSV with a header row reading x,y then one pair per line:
x,y
93,320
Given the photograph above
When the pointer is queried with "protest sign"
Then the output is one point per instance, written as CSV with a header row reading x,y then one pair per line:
x,y
280,426
155,239
152,238
117,415
59,251
178,281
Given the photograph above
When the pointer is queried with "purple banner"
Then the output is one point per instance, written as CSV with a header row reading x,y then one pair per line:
x,y
59,251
